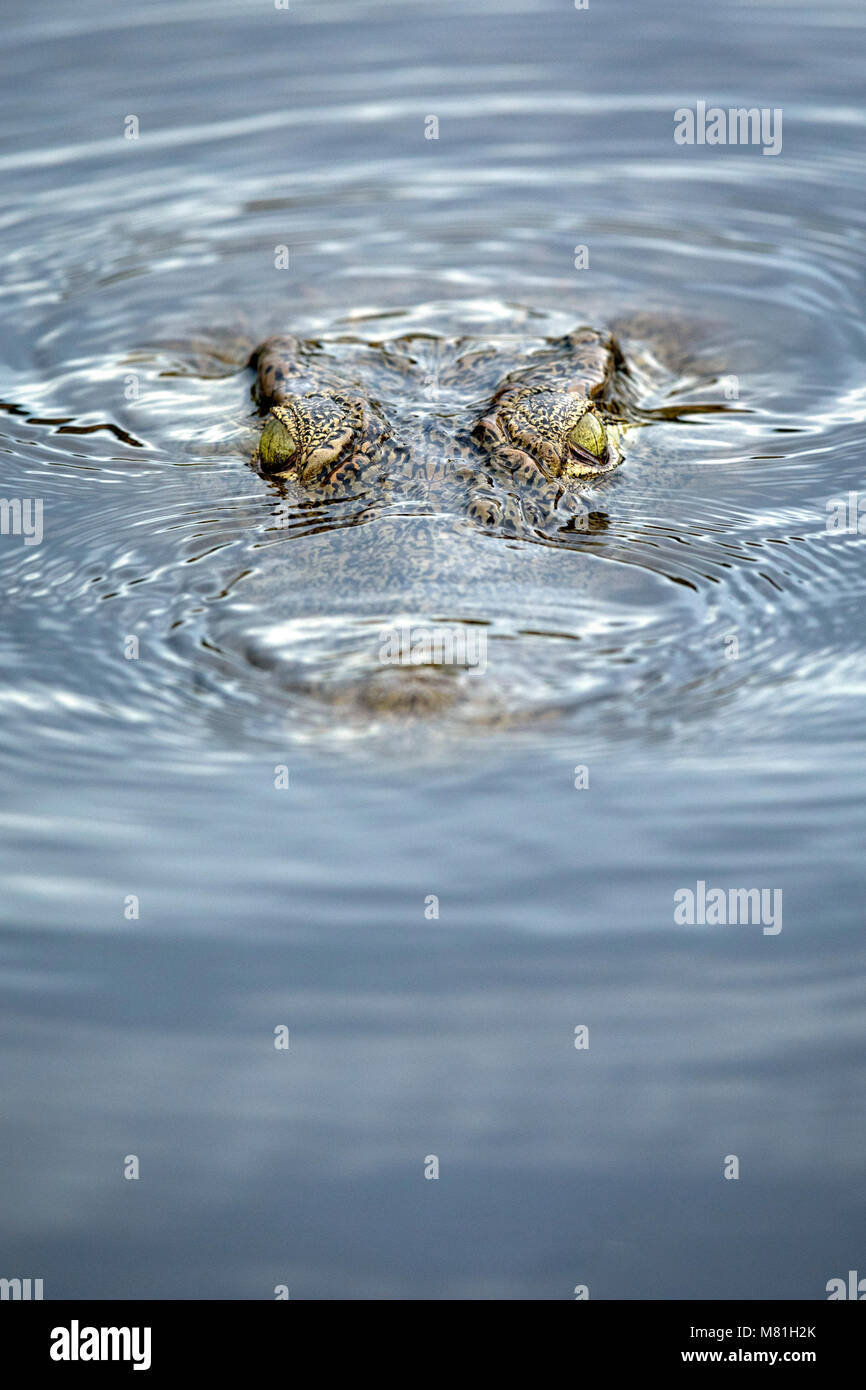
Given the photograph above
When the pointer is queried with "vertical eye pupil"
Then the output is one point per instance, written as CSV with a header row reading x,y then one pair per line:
x,y
277,444
588,434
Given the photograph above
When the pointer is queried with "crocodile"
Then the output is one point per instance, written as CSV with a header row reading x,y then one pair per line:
x,y
425,492
548,425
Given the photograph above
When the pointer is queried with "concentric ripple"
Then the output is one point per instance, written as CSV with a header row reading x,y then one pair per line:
x,y
140,273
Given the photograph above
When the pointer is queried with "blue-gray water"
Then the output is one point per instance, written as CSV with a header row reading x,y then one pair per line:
x,y
739,763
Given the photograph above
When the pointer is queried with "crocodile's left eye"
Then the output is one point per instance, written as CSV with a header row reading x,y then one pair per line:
x,y
589,435
563,433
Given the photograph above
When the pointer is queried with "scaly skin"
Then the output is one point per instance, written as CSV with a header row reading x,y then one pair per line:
x,y
319,432
515,464
430,480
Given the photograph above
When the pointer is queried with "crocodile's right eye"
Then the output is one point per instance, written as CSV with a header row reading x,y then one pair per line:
x,y
279,441
306,437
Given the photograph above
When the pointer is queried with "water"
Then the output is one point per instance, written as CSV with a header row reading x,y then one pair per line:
x,y
699,652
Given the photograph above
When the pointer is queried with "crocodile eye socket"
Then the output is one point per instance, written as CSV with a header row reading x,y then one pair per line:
x,y
588,434
278,443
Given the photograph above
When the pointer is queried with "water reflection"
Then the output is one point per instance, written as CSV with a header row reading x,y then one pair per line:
x,y
135,272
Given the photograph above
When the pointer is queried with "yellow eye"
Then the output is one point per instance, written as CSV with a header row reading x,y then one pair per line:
x,y
589,434
278,443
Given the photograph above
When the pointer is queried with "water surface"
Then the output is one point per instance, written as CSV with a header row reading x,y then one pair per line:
x,y
699,652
